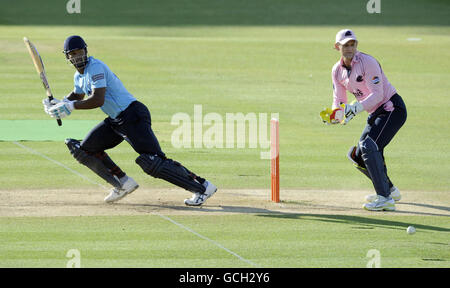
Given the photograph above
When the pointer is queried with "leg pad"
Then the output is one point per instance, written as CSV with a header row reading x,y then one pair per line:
x,y
169,170
92,162
374,163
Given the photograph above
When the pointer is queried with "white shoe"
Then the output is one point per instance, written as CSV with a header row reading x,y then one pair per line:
x,y
381,204
199,198
395,194
128,186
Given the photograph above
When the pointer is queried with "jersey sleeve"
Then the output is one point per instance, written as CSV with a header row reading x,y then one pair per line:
x,y
98,76
339,92
374,83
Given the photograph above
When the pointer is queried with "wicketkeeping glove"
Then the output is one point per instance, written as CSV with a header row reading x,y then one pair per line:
x,y
351,110
61,109
332,116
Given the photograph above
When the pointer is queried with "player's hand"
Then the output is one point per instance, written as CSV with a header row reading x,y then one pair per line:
x,y
48,104
351,110
61,109
332,116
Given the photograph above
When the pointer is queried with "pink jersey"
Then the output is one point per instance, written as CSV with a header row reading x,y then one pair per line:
x,y
365,80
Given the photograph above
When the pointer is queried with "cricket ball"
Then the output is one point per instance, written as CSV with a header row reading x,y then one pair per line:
x,y
411,230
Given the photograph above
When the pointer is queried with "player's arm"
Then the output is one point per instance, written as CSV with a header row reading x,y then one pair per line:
x,y
94,101
72,96
98,86
64,108
334,115
339,93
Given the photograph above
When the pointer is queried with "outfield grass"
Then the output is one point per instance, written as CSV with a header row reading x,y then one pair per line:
x,y
230,57
283,70
285,241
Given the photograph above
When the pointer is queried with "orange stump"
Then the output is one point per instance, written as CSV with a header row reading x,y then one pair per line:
x,y
275,159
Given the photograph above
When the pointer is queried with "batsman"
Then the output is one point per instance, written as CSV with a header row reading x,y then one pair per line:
x,y
96,86
362,75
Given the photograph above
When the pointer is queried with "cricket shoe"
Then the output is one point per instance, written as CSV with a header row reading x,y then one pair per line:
x,y
395,194
199,198
381,204
128,186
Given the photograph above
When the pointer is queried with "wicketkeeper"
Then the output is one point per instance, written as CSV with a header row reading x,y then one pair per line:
x,y
362,75
96,86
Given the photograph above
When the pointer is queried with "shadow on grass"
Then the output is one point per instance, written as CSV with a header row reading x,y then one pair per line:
x,y
359,222
226,13
443,208
202,209
367,222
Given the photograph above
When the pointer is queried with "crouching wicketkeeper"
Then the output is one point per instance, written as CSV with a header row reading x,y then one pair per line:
x,y
362,75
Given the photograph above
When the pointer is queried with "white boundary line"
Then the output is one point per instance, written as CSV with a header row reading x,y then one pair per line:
x,y
207,239
160,215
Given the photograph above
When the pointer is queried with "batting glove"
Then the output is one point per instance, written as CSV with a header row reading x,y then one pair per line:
x,y
351,110
48,104
61,109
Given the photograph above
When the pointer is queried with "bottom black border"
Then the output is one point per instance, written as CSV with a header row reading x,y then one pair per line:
x,y
223,277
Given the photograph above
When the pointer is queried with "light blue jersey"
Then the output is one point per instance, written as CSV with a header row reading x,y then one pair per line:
x,y
98,75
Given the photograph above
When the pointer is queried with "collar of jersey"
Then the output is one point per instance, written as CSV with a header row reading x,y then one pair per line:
x,y
356,58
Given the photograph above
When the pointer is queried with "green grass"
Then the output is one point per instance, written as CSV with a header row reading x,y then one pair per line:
x,y
287,240
283,70
232,56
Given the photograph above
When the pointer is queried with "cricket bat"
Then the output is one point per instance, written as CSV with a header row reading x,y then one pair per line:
x,y
39,65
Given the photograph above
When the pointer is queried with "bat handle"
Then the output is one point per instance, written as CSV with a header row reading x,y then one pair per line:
x,y
50,98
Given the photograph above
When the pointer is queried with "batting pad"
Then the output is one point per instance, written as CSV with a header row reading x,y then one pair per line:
x,y
44,130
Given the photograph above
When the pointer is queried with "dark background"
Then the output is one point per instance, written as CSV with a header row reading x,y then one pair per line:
x,y
224,12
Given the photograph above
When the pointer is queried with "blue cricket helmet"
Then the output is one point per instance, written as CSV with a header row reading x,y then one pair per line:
x,y
73,43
